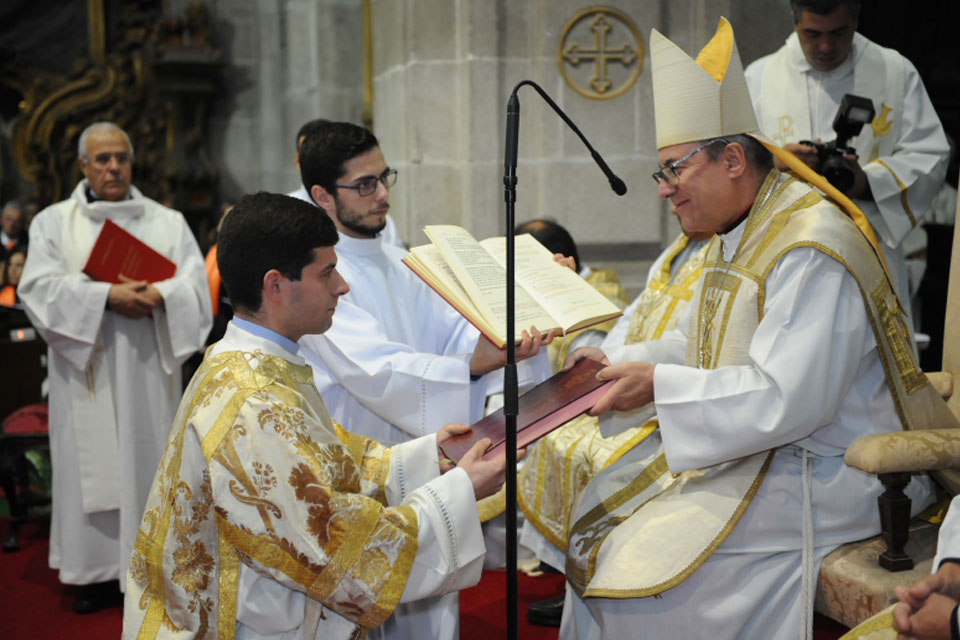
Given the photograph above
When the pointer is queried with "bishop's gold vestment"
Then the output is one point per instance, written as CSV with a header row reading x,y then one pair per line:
x,y
643,534
559,465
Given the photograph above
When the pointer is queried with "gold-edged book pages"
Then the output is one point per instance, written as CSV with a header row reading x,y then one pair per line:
x,y
471,276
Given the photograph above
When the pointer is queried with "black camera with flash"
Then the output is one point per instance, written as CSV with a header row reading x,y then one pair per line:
x,y
854,112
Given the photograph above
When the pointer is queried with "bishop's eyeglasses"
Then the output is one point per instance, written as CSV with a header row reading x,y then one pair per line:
x,y
368,186
669,171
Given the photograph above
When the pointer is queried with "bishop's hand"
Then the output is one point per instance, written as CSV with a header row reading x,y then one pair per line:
x,y
633,387
585,352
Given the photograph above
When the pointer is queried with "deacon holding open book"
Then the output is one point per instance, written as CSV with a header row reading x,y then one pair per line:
x,y
398,361
792,347
115,350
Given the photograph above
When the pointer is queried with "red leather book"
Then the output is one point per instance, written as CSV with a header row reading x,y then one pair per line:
x,y
549,405
118,251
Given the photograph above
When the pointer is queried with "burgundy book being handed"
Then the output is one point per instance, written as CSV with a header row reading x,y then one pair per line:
x,y
549,405
117,251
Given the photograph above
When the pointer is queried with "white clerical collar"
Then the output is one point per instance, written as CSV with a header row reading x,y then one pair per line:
x,y
261,331
846,67
359,246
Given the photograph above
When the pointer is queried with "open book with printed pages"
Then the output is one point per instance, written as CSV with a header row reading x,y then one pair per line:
x,y
549,405
117,251
471,276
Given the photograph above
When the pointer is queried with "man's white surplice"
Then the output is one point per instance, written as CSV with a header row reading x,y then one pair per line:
x,y
114,381
396,362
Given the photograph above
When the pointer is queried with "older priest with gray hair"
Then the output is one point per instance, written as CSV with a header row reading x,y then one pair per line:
x,y
115,352
792,347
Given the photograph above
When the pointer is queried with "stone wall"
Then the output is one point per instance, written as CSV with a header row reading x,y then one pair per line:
x,y
442,73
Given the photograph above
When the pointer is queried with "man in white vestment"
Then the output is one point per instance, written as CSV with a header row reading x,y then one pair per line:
x,y
792,347
399,355
269,520
115,352
901,157
398,360
388,234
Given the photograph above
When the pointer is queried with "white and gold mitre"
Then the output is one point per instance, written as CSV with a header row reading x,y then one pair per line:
x,y
703,98
708,98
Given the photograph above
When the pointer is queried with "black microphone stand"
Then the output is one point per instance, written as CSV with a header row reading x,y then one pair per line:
x,y
510,394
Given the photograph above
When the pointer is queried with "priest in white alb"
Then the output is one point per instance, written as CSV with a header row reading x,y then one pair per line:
x,y
115,352
792,347
268,520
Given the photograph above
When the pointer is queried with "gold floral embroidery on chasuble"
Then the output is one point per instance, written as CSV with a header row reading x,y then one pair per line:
x,y
257,472
560,465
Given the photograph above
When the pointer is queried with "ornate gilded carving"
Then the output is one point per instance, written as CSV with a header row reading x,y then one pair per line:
x,y
155,80
56,109
606,25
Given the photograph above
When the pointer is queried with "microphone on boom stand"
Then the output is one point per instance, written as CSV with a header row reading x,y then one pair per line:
x,y
510,406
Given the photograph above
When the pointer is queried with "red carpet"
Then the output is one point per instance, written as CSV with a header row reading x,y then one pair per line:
x,y
33,603
35,606
483,614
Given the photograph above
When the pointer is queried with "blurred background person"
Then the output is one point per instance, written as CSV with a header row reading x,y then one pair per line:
x,y
11,277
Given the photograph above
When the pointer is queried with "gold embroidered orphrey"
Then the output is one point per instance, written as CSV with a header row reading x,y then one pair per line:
x,y
607,24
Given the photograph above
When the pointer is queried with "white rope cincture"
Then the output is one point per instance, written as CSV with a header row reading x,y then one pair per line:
x,y
806,552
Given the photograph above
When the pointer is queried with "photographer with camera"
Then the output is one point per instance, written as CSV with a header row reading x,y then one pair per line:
x,y
894,166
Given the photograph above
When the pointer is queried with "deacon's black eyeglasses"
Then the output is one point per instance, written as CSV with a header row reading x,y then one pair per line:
x,y
368,186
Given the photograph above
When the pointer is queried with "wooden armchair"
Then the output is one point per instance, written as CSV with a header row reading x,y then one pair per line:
x,y
857,580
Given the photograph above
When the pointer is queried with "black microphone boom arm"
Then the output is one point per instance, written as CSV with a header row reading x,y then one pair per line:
x,y
616,183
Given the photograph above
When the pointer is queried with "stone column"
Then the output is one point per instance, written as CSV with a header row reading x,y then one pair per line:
x,y
289,62
442,73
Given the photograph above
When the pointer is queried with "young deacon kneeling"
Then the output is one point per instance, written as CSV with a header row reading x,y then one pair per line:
x,y
268,519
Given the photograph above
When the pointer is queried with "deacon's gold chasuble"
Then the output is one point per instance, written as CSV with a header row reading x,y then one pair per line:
x,y
256,472
658,528
558,466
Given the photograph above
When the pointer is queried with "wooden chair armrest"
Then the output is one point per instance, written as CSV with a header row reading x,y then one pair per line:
x,y
906,451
